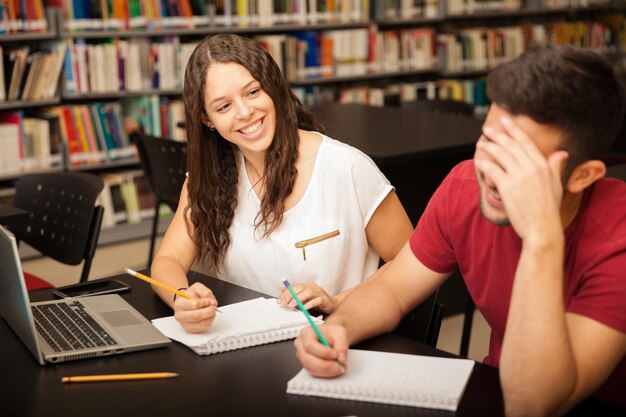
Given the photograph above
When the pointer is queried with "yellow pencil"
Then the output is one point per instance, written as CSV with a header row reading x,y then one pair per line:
x,y
118,377
157,283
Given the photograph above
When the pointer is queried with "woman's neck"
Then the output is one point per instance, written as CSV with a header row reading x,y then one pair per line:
x,y
255,169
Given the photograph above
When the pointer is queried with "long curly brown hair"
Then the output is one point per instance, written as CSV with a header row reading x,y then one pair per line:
x,y
212,160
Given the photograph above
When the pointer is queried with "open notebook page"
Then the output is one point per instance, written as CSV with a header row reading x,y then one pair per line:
x,y
392,378
248,323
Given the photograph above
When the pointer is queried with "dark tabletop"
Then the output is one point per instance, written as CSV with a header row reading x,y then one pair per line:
x,y
246,382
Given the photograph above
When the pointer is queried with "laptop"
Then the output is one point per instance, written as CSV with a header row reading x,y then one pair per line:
x,y
69,329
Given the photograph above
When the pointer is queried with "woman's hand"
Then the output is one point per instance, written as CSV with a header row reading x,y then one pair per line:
x,y
311,295
196,314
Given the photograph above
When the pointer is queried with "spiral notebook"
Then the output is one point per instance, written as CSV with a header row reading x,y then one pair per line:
x,y
392,378
240,325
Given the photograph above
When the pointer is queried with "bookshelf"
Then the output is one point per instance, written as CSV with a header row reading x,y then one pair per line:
x,y
378,52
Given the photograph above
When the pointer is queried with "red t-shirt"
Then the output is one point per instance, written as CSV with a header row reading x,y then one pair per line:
x,y
452,233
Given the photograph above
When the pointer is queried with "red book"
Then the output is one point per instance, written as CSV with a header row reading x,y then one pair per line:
x,y
16,118
164,119
73,145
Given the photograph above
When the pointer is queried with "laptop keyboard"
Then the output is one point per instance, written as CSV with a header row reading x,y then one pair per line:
x,y
67,327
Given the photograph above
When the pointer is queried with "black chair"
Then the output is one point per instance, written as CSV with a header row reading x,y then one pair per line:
x,y
460,108
423,323
63,221
164,163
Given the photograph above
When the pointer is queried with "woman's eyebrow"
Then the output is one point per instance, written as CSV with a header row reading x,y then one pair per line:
x,y
222,98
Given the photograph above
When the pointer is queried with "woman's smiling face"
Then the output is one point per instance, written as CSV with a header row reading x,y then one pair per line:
x,y
239,109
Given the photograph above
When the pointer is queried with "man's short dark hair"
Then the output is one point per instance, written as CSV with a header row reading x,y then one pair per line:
x,y
573,89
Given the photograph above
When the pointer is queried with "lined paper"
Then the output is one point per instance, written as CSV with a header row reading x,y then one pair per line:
x,y
248,323
392,378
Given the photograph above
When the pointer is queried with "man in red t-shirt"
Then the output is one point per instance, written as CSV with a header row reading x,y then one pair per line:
x,y
537,232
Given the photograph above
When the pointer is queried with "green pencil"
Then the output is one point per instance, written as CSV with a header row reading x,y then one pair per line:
x,y
320,336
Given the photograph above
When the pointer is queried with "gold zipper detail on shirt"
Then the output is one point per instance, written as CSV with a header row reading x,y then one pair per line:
x,y
304,243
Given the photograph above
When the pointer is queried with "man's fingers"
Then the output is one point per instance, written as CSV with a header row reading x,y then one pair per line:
x,y
521,138
491,170
557,162
500,152
316,366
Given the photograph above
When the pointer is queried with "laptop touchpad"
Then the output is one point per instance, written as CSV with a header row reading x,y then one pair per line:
x,y
120,318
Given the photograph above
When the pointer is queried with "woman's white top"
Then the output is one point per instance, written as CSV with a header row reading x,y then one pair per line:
x,y
345,189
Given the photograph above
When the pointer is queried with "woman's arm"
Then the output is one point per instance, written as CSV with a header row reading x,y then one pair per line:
x,y
170,266
176,253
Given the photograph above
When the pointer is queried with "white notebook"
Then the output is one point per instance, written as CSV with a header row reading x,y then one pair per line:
x,y
240,325
392,378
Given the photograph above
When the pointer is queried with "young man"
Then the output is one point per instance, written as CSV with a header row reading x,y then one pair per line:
x,y
537,232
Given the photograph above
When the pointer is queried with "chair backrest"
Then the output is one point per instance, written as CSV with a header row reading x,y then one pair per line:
x,y
164,162
63,222
460,108
423,323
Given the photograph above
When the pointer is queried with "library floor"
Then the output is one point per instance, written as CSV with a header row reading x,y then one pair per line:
x,y
111,260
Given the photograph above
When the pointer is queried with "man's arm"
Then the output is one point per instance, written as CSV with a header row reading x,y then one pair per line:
x,y
551,360
373,307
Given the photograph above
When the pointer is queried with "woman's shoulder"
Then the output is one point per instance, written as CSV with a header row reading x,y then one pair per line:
x,y
336,150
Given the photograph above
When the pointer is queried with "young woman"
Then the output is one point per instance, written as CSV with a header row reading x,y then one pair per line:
x,y
267,194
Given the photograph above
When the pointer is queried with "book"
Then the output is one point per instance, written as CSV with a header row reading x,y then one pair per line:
x,y
392,378
9,148
240,325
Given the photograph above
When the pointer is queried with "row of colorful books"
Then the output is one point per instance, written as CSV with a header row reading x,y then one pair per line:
x,y
75,135
461,7
155,116
85,15
351,52
468,7
382,10
27,74
568,4
89,135
142,64
22,16
137,64
398,93
485,48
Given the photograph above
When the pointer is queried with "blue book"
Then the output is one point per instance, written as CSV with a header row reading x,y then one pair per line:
x,y
79,9
106,126
312,57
